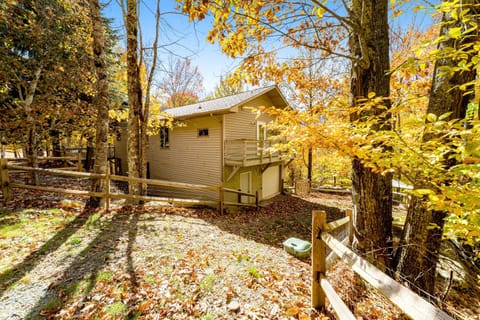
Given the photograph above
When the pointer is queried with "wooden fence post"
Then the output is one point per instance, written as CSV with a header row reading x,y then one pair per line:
x,y
221,196
348,213
4,181
79,161
107,189
318,258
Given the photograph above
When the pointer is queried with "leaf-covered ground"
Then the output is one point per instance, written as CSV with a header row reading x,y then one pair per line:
x,y
153,262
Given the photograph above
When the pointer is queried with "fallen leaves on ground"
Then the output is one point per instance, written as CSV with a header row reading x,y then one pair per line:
x,y
175,263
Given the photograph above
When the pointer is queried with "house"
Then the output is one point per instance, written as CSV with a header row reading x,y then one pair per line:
x,y
218,142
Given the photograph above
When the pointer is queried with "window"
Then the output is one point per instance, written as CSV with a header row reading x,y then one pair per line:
x,y
164,137
203,132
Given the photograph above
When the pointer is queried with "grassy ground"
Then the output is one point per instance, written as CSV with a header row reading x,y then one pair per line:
x,y
57,261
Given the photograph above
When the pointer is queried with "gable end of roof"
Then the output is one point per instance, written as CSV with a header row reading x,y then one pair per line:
x,y
226,104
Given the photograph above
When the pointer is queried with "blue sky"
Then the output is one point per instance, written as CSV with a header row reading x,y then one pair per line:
x,y
189,38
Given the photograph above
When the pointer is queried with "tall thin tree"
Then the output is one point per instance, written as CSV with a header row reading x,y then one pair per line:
x,y
101,101
134,96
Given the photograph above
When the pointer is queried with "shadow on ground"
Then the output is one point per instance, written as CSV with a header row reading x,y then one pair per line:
x,y
82,275
14,274
282,218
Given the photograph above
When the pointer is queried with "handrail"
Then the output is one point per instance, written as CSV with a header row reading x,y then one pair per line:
x,y
252,150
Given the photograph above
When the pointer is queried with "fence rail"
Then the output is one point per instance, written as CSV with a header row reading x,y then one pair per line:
x,y
6,186
408,301
74,161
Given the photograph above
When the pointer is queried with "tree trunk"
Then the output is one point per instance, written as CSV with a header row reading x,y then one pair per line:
x,y
101,103
372,192
55,139
32,150
88,164
418,252
134,97
32,147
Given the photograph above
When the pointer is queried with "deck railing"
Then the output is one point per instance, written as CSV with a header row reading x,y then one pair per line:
x,y
245,151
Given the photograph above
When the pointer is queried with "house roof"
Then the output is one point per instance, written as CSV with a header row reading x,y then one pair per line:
x,y
228,103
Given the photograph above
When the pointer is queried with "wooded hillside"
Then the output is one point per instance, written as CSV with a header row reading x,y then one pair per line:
x,y
376,96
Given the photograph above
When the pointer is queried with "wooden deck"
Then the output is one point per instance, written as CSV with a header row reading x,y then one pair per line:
x,y
246,153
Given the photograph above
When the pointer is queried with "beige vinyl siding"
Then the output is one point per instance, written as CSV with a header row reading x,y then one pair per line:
x,y
243,124
189,158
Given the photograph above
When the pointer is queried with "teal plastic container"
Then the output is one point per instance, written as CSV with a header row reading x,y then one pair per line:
x,y
299,248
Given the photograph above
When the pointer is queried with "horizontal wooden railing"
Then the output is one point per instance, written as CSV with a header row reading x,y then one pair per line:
x,y
241,193
244,150
6,185
408,301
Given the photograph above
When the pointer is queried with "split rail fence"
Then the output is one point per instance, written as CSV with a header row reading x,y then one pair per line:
x,y
75,162
408,301
7,185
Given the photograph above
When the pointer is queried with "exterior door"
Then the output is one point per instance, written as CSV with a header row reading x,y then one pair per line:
x,y
271,182
245,186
